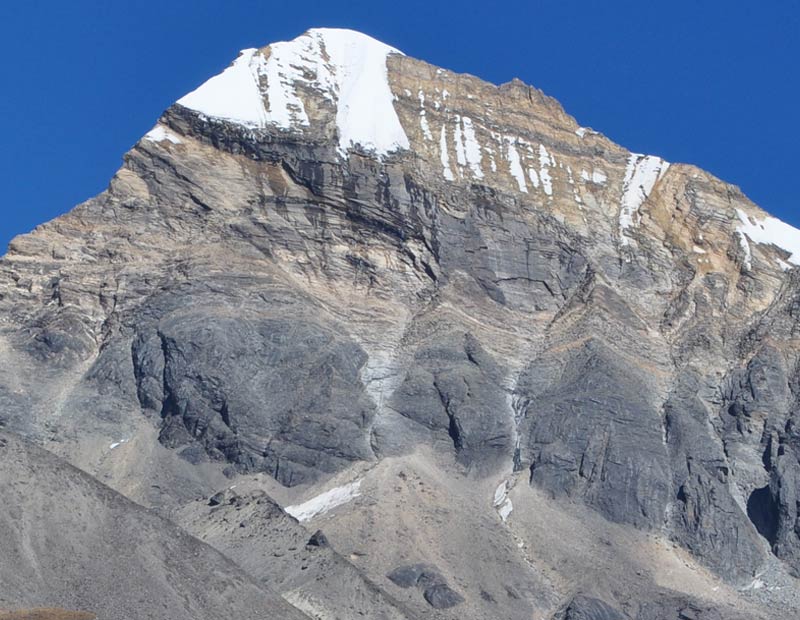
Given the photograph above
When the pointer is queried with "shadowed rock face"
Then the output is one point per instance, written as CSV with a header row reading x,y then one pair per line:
x,y
503,287
592,432
206,375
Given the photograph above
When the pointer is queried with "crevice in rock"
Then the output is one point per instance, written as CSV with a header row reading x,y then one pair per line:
x,y
454,431
763,512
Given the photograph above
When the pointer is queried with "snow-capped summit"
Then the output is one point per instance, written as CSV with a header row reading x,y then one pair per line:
x,y
266,87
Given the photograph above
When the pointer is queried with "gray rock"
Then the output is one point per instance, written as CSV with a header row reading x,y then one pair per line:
x,y
216,499
415,575
318,539
442,596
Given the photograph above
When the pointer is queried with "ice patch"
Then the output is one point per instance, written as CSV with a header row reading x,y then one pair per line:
x,y
768,231
159,133
117,444
345,67
641,175
324,502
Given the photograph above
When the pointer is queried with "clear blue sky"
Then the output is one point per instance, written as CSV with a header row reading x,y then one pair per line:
x,y
711,82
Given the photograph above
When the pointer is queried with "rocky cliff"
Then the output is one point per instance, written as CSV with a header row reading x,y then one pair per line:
x,y
530,350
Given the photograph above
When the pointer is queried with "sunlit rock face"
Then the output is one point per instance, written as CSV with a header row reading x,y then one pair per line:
x,y
332,256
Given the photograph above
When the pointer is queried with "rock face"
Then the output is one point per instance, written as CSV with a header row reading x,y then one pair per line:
x,y
332,255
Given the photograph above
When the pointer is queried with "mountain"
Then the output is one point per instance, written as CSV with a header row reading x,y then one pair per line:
x,y
508,368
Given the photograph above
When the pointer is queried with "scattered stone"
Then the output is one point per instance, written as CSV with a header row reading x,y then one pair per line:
x,y
318,539
422,575
216,499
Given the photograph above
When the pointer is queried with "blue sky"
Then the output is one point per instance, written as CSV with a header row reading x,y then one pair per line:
x,y
714,83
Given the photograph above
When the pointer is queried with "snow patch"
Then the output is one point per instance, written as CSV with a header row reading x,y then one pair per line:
x,y
472,150
768,231
365,113
458,136
515,166
492,162
545,161
445,157
756,584
641,175
502,503
505,509
582,132
159,133
748,252
117,444
347,68
533,177
597,177
325,501
234,94
423,120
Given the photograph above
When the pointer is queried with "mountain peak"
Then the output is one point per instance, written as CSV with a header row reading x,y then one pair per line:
x,y
267,87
